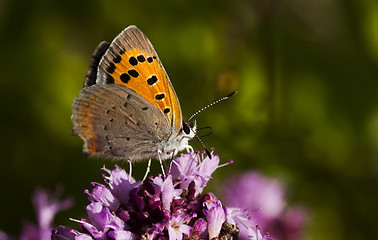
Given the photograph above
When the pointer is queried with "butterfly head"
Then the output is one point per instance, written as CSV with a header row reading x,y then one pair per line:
x,y
188,130
179,142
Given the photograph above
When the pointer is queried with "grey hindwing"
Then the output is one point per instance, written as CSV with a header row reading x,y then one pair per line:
x,y
122,124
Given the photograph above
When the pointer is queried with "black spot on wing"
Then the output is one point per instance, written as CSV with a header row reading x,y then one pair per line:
x,y
167,110
152,80
133,73
125,78
117,59
160,96
133,61
141,58
110,68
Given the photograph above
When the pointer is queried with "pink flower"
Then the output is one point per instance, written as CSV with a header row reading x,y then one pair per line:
x,y
215,217
177,227
160,208
265,200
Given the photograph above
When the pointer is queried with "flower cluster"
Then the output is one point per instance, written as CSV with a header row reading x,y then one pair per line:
x,y
46,206
172,207
266,197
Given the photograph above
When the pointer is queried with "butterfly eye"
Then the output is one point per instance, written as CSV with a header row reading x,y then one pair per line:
x,y
186,127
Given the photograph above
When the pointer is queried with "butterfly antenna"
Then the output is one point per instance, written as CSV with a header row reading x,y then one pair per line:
x,y
203,145
207,134
213,103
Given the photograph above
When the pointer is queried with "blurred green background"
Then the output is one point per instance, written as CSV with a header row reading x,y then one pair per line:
x,y
306,111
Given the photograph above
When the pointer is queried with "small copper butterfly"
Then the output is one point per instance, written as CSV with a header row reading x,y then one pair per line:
x,y
128,108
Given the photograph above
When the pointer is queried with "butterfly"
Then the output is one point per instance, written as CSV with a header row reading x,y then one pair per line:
x,y
128,108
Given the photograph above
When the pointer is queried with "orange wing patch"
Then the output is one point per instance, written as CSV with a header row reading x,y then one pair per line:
x,y
140,72
132,61
85,128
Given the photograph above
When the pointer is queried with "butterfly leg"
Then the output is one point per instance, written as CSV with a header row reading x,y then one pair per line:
x,y
131,169
147,170
189,148
161,163
172,160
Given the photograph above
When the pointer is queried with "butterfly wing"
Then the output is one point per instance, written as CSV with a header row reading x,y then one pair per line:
x,y
114,121
132,61
91,76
